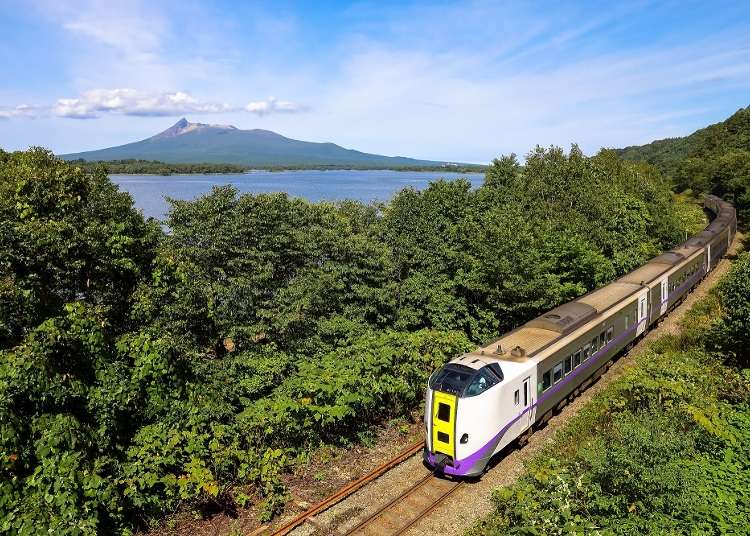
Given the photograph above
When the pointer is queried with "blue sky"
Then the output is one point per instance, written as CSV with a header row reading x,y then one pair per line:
x,y
461,81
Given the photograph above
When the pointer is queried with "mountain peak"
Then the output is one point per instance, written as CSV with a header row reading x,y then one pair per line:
x,y
183,126
186,142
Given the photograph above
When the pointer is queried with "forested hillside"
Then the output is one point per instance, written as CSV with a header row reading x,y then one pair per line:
x,y
142,372
715,159
154,167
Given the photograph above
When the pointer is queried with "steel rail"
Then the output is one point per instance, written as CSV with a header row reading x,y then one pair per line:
x,y
346,490
373,518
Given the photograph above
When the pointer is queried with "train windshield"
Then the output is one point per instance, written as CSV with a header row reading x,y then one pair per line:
x,y
465,381
452,378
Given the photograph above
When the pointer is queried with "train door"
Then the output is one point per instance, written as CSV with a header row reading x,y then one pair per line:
x,y
642,312
664,296
444,423
528,417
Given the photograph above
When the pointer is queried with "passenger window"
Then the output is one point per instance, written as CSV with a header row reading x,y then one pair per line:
x,y
594,346
568,364
557,372
610,333
515,397
577,359
586,352
602,340
546,380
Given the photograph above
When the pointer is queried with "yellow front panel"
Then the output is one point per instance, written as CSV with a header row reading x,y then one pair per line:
x,y
444,423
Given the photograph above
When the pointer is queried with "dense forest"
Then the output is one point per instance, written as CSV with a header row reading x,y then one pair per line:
x,y
715,159
143,371
154,167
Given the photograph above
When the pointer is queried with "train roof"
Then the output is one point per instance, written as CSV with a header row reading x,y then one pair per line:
x,y
646,273
605,297
564,318
530,339
670,257
701,239
524,342
686,250
514,348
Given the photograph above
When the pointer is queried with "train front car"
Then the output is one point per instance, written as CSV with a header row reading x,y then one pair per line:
x,y
475,405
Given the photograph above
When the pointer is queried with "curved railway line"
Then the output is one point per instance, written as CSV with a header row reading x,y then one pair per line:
x,y
425,493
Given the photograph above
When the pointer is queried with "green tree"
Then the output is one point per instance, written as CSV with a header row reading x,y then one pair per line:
x,y
66,235
732,331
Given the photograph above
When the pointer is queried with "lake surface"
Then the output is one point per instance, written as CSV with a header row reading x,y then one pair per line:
x,y
149,190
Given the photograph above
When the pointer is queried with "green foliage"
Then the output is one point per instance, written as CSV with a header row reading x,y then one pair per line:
x,y
66,235
689,213
142,372
531,238
154,167
731,334
715,159
324,401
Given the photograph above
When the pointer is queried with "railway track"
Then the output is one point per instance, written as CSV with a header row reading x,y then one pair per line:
x,y
309,515
398,515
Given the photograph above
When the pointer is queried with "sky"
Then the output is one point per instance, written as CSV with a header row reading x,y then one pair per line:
x,y
457,81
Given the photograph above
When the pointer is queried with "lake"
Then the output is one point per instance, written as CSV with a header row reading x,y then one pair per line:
x,y
314,185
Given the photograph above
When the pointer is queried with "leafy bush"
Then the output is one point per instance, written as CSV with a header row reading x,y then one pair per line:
x,y
732,333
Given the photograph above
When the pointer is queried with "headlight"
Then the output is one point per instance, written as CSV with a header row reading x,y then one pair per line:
x,y
464,439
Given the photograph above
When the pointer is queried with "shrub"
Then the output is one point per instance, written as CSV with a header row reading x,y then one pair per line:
x,y
732,333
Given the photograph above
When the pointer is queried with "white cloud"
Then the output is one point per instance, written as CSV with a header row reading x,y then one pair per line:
x,y
22,110
273,105
131,102
128,101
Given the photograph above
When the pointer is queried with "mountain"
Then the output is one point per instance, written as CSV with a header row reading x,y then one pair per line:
x,y
669,154
186,142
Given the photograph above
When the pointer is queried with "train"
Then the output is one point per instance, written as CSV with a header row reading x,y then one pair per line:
x,y
481,401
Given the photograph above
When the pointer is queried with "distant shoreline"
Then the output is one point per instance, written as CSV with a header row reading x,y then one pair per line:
x,y
157,168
